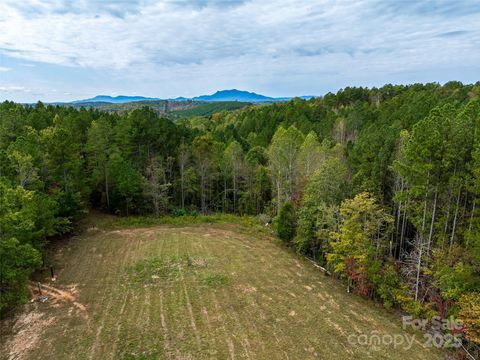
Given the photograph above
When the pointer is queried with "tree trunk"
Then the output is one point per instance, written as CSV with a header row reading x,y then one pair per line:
x,y
234,192
182,170
432,223
402,235
107,194
202,185
399,210
225,193
445,229
278,196
424,214
471,221
65,188
419,265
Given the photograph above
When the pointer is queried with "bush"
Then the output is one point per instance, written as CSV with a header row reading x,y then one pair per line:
x,y
18,262
470,315
179,212
305,231
286,222
387,282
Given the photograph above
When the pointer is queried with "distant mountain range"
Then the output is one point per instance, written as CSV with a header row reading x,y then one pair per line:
x,y
114,100
223,95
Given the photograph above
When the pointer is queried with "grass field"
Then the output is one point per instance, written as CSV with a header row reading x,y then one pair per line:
x,y
200,291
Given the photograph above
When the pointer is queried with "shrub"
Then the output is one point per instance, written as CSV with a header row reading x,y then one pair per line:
x,y
179,212
18,262
470,315
286,222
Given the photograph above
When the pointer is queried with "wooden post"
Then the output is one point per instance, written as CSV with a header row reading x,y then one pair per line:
x,y
51,272
39,288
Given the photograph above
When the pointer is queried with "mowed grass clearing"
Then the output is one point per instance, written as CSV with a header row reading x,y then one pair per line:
x,y
204,291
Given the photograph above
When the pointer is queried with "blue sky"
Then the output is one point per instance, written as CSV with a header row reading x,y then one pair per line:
x,y
60,50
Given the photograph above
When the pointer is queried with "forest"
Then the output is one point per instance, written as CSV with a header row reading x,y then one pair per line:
x,y
378,186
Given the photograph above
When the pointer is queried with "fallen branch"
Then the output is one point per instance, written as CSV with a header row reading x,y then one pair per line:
x,y
318,266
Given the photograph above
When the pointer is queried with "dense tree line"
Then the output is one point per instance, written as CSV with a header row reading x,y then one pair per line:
x,y
379,186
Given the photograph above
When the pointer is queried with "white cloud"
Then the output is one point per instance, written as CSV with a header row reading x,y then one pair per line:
x,y
213,43
4,69
13,89
106,34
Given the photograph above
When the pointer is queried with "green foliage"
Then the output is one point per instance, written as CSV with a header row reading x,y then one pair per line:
x,y
156,270
362,233
210,108
454,274
387,282
27,218
385,181
283,163
470,315
216,280
285,222
18,262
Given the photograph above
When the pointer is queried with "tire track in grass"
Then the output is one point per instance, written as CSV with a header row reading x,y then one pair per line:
x,y
292,314
211,336
106,289
263,278
220,315
171,301
128,254
192,319
192,245
177,309
156,315
104,310
163,323
77,266
232,313
248,257
303,302
246,261
187,300
68,268
127,294
119,324
219,297
71,265
141,320
219,310
156,243
232,264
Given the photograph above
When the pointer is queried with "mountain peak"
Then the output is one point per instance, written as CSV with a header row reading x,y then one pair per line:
x,y
234,95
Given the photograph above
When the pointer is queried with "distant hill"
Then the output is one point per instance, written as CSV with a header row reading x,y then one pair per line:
x,y
161,107
170,108
115,100
207,109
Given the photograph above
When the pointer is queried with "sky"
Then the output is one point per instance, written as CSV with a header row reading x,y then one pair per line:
x,y
62,50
